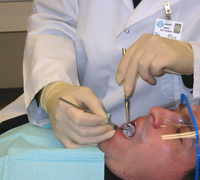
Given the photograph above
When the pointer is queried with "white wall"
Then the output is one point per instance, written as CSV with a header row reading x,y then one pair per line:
x,y
14,0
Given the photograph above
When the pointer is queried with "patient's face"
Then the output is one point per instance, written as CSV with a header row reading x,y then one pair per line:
x,y
146,155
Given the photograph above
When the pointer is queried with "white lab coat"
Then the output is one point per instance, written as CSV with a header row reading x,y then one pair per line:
x,y
80,41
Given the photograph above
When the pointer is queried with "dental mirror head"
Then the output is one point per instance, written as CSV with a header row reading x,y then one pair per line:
x,y
129,130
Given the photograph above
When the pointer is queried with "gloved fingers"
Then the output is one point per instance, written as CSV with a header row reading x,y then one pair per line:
x,y
153,56
65,134
88,131
79,126
92,102
91,139
128,67
66,111
82,123
174,57
81,118
160,65
146,64
74,140
139,64
122,67
72,126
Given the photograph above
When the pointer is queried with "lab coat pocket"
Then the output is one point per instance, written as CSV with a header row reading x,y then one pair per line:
x,y
166,85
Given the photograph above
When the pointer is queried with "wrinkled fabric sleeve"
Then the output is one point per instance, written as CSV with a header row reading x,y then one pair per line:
x,y
49,54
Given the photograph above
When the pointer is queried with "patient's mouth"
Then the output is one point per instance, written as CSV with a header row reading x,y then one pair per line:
x,y
129,129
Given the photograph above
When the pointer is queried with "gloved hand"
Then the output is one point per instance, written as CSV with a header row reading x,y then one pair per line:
x,y
153,56
73,127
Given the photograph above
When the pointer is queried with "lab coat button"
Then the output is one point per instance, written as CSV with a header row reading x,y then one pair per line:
x,y
126,31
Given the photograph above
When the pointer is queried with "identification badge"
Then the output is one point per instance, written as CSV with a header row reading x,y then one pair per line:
x,y
168,29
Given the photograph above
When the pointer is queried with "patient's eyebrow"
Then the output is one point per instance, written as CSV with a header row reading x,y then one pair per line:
x,y
187,120
182,107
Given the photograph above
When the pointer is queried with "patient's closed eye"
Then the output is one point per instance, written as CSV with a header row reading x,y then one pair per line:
x,y
179,131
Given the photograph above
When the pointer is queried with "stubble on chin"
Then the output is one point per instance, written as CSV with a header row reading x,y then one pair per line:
x,y
106,147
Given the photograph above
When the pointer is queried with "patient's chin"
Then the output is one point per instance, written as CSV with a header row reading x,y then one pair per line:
x,y
104,146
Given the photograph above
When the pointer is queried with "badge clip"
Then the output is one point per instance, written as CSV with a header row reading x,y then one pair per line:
x,y
167,10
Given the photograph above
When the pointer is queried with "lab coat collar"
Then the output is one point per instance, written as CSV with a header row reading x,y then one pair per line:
x,y
129,4
144,6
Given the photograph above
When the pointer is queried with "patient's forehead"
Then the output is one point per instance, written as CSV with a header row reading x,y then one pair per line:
x,y
182,108
196,111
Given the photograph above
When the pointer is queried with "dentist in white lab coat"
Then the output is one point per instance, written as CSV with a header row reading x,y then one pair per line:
x,y
74,50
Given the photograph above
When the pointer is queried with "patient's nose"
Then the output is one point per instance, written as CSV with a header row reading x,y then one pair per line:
x,y
157,116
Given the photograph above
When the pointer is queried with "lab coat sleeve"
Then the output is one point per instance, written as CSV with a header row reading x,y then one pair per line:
x,y
196,86
49,54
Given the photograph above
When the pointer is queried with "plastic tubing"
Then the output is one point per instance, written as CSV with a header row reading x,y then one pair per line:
x,y
197,134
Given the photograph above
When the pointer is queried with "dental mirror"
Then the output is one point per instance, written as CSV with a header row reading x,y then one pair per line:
x,y
129,130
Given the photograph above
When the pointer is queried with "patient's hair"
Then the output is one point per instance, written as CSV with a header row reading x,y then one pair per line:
x,y
190,175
